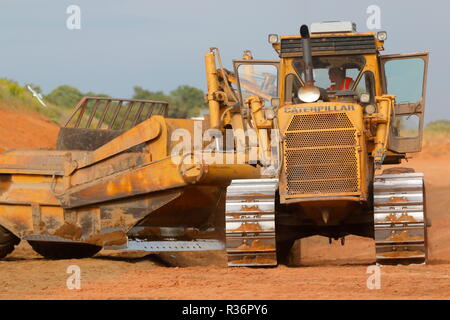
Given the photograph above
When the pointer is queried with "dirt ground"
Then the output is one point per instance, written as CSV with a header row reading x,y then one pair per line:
x,y
25,131
327,271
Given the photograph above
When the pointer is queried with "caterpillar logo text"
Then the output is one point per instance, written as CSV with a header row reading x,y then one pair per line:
x,y
327,108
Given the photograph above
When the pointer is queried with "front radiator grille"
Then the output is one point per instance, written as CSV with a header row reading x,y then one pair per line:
x,y
321,155
320,172
321,187
320,139
319,121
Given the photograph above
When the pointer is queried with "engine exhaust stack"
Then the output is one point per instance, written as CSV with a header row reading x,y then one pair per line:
x,y
307,55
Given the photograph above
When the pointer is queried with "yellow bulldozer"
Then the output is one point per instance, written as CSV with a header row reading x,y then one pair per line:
x,y
290,149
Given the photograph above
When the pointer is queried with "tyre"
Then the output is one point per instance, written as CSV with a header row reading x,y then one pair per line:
x,y
64,250
7,242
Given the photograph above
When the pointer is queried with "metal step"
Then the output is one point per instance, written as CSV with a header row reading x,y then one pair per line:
x,y
169,245
399,216
143,245
250,222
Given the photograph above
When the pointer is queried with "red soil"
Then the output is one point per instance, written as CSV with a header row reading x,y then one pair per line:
x,y
26,131
328,271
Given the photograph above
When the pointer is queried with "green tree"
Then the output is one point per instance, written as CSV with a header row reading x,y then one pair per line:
x,y
65,96
140,93
184,102
93,94
190,101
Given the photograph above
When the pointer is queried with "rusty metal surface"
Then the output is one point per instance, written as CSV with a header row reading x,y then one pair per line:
x,y
196,206
108,167
143,132
84,139
27,189
47,162
153,177
107,191
24,219
103,225
106,225
126,213
113,113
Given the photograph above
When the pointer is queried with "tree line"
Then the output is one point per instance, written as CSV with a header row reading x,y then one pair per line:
x,y
184,102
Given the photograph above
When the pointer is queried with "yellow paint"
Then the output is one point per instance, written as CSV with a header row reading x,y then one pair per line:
x,y
22,178
256,105
16,218
155,170
213,88
355,115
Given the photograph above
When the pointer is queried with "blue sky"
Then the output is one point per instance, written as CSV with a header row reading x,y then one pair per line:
x,y
160,44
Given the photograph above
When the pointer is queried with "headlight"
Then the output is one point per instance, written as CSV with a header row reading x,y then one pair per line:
x,y
273,38
364,98
309,94
382,35
370,109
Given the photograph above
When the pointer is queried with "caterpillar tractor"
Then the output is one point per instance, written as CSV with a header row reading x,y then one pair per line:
x,y
290,148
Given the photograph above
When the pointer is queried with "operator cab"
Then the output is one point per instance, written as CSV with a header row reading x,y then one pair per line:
x,y
364,75
331,74
338,62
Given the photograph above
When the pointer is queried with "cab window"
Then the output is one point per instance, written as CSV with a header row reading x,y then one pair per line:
x,y
397,71
258,79
292,87
406,126
330,73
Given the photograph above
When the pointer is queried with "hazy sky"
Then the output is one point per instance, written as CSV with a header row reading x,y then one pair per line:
x,y
160,44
